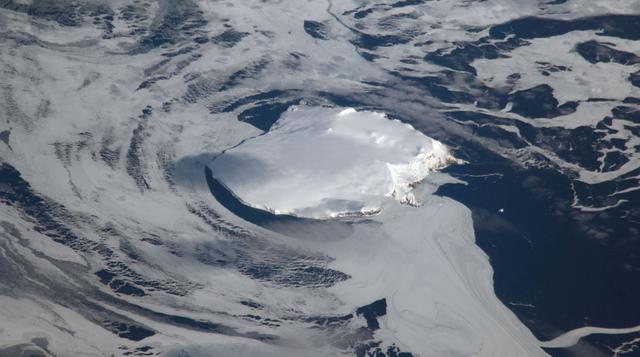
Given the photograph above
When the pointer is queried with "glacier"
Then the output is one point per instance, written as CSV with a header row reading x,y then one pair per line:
x,y
330,162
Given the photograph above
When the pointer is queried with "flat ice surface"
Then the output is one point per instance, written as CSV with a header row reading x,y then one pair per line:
x,y
326,162
438,283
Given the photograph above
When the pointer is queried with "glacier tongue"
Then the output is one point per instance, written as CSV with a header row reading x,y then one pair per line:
x,y
328,162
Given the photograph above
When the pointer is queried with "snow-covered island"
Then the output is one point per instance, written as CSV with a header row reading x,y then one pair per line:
x,y
328,162
418,252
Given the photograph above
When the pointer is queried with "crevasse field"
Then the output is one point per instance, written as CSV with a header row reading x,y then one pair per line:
x,y
403,178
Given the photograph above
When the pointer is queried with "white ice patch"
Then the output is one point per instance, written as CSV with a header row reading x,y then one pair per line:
x,y
323,162
437,282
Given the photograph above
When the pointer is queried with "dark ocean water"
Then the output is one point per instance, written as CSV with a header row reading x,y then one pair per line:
x,y
548,269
